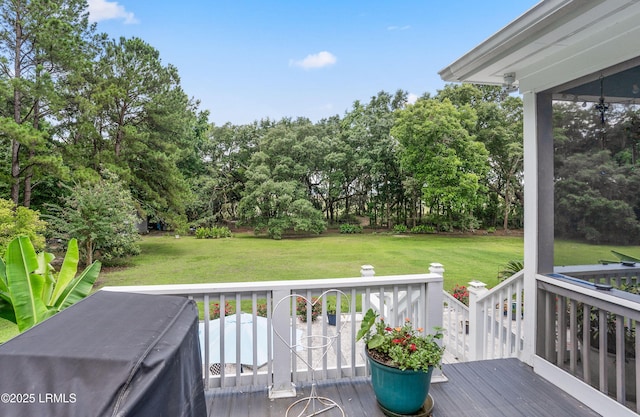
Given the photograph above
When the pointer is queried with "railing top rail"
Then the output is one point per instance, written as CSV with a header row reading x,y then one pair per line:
x,y
507,282
267,286
596,268
613,296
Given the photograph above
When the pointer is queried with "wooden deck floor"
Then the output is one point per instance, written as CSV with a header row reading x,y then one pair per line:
x,y
504,387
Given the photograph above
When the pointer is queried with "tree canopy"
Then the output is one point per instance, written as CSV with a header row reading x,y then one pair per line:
x,y
81,112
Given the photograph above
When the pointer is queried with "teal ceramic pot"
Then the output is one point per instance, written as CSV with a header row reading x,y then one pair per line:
x,y
402,392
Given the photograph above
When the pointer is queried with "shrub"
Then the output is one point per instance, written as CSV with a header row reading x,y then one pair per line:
x,y
461,293
301,309
400,228
215,310
422,229
261,309
16,221
102,216
491,230
213,232
350,228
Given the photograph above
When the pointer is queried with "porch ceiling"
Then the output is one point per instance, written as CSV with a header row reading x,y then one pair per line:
x,y
564,46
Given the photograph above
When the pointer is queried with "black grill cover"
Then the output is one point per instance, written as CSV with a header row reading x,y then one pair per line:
x,y
111,354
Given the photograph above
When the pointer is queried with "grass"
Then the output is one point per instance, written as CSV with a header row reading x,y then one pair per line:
x,y
166,260
245,258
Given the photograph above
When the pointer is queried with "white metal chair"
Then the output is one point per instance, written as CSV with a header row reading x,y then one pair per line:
x,y
313,404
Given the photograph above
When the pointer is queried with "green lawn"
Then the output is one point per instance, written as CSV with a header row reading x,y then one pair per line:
x,y
166,260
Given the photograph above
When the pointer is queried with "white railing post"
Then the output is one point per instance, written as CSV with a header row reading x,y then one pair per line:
x,y
434,298
434,310
367,271
477,321
282,386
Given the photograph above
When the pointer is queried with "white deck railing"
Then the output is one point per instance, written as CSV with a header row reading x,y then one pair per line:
x,y
283,367
496,319
455,320
589,331
491,327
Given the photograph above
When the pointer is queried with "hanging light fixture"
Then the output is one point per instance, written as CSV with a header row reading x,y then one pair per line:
x,y
602,107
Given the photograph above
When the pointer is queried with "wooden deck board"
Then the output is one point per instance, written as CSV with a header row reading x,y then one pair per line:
x,y
504,387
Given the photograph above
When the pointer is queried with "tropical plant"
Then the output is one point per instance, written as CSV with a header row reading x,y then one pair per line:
x,y
30,289
512,267
402,347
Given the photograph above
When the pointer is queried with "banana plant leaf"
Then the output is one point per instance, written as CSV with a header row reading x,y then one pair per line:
x,y
45,270
24,284
67,271
6,308
79,287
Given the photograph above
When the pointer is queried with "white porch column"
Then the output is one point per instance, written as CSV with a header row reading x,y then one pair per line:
x,y
538,213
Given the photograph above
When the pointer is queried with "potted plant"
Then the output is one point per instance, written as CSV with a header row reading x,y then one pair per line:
x,y
331,313
401,361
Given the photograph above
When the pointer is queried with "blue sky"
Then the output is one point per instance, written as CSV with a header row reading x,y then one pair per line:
x,y
248,60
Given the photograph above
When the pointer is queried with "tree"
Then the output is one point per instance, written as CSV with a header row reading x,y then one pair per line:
x,y
374,157
595,199
41,43
276,196
101,216
439,152
499,127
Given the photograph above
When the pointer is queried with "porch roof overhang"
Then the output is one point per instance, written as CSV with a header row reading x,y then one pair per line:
x,y
561,46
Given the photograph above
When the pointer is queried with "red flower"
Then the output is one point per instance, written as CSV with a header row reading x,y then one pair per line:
x,y
397,341
413,347
388,329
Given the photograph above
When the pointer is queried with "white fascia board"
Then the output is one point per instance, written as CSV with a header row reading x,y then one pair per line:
x,y
505,40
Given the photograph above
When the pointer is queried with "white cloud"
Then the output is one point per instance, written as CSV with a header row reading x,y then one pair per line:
x,y
319,60
106,10
412,98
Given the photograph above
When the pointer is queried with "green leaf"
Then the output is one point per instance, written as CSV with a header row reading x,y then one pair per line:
x,y
67,271
79,287
375,341
6,311
368,320
3,278
24,285
45,270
